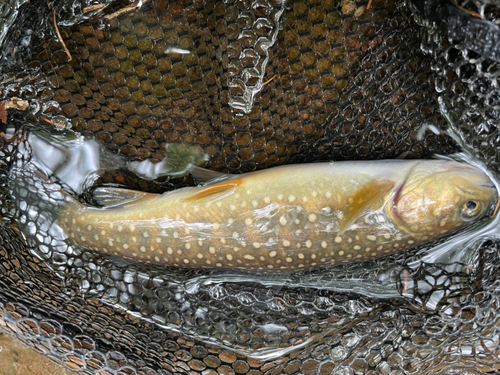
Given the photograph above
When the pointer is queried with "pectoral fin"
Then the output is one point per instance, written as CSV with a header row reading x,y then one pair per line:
x,y
364,198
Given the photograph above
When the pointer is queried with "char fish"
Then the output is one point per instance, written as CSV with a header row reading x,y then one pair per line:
x,y
286,218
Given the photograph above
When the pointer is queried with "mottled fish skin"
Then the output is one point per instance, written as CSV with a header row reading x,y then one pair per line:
x,y
288,218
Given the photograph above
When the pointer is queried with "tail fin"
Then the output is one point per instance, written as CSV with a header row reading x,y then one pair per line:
x,y
36,204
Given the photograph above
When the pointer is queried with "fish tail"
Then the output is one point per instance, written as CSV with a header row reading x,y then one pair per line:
x,y
36,200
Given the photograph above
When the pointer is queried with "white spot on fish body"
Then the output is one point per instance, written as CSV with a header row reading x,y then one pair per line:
x,y
280,197
89,227
312,218
125,246
158,239
314,193
176,235
248,221
96,237
236,234
211,249
254,203
143,249
371,237
308,243
131,227
357,247
256,245
134,239
340,215
297,221
103,232
291,198
328,194
283,220
216,226
219,204
286,243
338,239
324,244
120,228
169,250
146,234
232,207
267,200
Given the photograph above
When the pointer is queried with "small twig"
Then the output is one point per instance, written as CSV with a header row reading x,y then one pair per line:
x,y
61,39
269,80
54,123
405,281
388,132
496,208
118,13
92,7
469,267
369,4
471,12
3,113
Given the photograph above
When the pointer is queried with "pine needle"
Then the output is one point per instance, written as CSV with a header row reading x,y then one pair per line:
x,y
61,39
92,7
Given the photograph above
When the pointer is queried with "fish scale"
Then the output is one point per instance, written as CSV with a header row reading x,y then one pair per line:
x,y
286,218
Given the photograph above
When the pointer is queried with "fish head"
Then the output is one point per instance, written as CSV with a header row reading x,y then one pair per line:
x,y
440,197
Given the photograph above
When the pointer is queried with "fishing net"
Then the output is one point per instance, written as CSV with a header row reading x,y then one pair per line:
x,y
253,84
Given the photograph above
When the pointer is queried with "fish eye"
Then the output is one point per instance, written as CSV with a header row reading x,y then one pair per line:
x,y
471,205
470,209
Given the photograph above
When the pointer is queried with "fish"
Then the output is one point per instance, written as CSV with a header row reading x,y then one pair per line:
x,y
285,218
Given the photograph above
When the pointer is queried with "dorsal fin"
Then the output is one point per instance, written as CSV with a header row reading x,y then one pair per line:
x,y
215,188
362,199
113,197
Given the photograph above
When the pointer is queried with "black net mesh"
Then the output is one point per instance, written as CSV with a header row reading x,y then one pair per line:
x,y
253,84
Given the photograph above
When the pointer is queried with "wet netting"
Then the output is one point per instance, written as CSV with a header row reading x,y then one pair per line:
x,y
253,84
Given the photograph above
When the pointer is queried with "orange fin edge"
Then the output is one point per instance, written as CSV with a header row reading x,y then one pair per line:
x,y
213,189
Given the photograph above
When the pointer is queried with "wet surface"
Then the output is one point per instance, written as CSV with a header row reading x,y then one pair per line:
x,y
368,92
